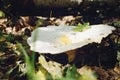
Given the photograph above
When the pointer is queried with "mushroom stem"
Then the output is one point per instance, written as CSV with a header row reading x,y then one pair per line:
x,y
71,55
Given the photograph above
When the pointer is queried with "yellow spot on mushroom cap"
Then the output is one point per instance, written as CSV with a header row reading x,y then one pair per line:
x,y
65,40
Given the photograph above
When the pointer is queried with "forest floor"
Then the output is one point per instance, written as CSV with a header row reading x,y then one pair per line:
x,y
103,59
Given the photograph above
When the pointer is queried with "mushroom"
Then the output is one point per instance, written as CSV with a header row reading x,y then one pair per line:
x,y
59,39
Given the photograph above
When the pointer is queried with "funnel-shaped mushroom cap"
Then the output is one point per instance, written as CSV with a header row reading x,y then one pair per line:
x,y
58,39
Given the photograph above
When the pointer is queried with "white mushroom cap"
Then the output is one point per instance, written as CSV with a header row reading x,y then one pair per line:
x,y
58,39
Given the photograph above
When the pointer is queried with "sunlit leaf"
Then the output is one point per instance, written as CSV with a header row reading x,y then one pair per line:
x,y
52,67
39,76
87,74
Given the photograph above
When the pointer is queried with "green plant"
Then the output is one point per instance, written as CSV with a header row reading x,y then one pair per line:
x,y
116,23
81,27
2,14
118,57
39,22
30,63
70,73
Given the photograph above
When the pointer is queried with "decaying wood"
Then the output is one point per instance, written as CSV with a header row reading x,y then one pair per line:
x,y
61,3
57,3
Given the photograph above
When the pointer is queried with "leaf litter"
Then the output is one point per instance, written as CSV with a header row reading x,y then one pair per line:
x,y
9,58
